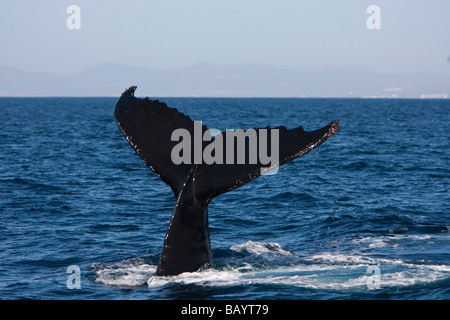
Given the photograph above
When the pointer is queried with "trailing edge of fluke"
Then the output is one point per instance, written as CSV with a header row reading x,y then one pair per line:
x,y
148,126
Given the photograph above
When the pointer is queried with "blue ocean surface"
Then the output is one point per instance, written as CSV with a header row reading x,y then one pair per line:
x,y
364,216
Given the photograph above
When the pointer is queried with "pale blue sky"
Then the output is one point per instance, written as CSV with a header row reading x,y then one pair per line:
x,y
414,35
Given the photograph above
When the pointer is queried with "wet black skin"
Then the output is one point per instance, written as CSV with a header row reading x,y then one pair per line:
x,y
148,126
187,245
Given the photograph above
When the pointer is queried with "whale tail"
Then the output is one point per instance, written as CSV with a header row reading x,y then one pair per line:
x,y
196,176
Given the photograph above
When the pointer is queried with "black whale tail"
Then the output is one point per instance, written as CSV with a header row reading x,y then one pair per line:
x,y
148,126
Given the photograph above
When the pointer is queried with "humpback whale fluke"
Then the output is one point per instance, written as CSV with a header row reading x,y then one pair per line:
x,y
148,125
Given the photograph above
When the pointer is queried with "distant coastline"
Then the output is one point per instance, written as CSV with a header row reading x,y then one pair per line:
x,y
213,80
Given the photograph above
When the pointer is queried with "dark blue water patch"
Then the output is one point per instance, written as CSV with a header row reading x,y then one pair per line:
x,y
112,227
420,229
72,191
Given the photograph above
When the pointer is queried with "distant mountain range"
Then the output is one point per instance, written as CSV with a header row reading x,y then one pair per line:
x,y
212,80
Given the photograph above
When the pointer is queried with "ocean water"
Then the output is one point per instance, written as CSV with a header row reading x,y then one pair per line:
x,y
364,216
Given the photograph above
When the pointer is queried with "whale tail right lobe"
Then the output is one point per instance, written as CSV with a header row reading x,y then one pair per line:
x,y
148,126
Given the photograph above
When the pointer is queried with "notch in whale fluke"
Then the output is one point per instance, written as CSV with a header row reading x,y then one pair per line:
x,y
148,126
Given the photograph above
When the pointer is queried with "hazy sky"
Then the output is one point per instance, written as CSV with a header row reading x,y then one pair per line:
x,y
414,35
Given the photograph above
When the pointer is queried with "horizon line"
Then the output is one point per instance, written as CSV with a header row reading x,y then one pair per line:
x,y
427,97
322,68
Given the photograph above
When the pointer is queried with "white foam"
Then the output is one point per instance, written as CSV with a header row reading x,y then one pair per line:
x,y
301,275
399,240
258,248
337,258
126,276
327,270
